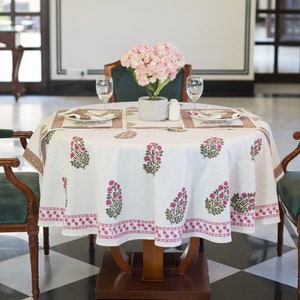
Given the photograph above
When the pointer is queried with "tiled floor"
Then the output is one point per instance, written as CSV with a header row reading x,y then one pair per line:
x,y
245,269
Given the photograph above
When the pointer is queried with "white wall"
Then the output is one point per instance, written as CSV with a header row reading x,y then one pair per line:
x,y
216,36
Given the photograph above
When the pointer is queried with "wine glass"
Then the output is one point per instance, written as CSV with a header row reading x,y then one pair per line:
x,y
194,88
104,88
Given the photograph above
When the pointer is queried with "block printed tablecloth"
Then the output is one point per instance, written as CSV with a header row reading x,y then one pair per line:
x,y
125,179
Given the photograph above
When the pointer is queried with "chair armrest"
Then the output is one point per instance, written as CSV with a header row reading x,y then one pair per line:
x,y
22,135
9,162
292,154
296,135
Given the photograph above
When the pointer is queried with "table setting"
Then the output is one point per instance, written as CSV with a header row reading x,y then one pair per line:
x,y
194,171
201,171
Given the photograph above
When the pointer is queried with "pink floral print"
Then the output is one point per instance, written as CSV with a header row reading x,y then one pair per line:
x,y
177,208
255,149
114,199
79,155
244,202
218,199
211,147
152,158
65,184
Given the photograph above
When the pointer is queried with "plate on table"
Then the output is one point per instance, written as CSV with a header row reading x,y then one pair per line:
x,y
91,116
215,115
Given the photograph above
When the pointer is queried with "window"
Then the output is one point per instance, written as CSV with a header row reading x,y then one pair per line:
x,y
277,41
29,20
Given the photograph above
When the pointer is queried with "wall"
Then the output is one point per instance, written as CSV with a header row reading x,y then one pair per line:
x,y
216,36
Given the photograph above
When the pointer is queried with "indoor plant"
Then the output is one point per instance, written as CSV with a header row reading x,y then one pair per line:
x,y
153,66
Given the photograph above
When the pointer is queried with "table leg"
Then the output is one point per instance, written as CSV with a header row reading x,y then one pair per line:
x,y
154,274
188,255
152,261
121,259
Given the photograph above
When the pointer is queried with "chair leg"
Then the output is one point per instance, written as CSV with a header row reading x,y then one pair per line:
x,y
201,245
46,240
92,245
34,256
298,231
280,228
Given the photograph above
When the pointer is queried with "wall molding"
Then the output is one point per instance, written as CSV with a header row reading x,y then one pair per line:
x,y
242,71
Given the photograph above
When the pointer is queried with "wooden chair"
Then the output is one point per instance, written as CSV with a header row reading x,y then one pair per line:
x,y
19,204
126,89
289,200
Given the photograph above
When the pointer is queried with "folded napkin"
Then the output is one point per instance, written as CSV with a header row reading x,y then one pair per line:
x,y
213,118
215,114
86,115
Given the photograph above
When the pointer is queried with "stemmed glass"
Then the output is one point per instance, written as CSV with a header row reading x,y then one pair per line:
x,y
194,88
104,88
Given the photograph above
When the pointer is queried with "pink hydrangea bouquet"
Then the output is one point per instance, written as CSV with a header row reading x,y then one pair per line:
x,y
153,66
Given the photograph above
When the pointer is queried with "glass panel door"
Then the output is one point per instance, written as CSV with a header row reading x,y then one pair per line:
x,y
30,22
277,41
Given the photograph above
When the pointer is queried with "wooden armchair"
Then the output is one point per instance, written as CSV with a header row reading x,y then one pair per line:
x,y
19,204
289,200
126,89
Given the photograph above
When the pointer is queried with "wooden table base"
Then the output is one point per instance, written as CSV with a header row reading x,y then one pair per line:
x,y
114,284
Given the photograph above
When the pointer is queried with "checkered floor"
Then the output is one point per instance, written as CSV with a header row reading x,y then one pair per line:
x,y
246,268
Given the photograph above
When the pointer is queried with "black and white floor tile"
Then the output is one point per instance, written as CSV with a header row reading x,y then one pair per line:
x,y
246,268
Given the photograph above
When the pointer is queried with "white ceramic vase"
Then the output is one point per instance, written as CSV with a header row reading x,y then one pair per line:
x,y
153,110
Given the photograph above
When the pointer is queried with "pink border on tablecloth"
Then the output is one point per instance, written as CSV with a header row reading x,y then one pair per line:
x,y
163,234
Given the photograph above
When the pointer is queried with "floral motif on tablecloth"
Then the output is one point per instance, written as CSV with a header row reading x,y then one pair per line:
x,y
175,213
129,134
79,155
263,212
255,149
244,202
51,214
218,199
114,199
152,158
65,184
211,147
80,221
49,136
130,124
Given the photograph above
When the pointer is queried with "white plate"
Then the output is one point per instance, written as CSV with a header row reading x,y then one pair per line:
x,y
95,117
215,115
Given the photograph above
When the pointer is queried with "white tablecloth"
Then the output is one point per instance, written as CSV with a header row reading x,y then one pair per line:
x,y
164,181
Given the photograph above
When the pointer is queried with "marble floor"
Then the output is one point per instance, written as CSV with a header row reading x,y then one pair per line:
x,y
245,269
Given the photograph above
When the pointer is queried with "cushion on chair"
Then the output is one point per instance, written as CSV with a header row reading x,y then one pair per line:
x,y
13,203
174,88
289,191
126,89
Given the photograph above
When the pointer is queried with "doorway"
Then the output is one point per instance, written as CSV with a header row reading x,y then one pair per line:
x,y
277,41
30,20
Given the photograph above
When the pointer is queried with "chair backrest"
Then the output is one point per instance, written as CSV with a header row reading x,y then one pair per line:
x,y
289,157
126,89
